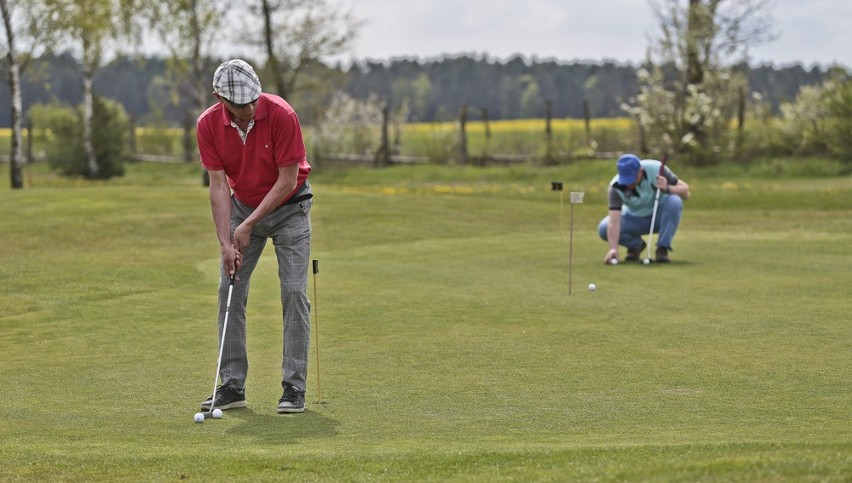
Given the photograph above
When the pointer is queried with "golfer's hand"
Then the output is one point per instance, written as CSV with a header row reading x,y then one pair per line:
x,y
241,237
231,259
612,254
662,182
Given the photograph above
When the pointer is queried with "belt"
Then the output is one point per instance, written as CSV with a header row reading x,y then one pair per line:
x,y
301,196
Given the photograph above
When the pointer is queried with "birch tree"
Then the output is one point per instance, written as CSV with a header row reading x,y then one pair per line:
x,y
88,26
26,36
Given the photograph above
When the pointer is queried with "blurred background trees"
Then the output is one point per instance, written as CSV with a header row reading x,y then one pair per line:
x,y
693,83
695,94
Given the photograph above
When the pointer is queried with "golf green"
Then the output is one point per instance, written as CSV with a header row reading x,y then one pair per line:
x,y
451,349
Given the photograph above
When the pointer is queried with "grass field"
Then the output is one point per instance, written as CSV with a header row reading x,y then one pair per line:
x,y
451,349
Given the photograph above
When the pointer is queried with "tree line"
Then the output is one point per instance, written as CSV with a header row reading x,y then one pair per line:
x,y
433,89
290,34
695,80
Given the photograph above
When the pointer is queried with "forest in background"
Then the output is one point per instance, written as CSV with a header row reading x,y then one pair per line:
x,y
432,90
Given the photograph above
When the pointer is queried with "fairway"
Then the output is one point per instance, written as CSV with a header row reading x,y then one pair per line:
x,y
451,348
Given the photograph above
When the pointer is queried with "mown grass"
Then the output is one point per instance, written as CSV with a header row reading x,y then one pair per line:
x,y
451,349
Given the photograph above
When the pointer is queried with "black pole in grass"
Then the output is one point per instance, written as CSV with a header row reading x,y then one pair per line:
x,y
557,186
316,330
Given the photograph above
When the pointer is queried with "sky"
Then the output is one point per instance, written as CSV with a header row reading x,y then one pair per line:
x,y
808,32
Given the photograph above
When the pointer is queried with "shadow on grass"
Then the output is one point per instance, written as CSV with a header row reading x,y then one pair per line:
x,y
674,262
283,428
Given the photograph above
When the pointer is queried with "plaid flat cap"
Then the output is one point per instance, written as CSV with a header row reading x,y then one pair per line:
x,y
236,81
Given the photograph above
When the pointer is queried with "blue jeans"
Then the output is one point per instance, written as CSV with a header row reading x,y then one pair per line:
x,y
289,227
634,227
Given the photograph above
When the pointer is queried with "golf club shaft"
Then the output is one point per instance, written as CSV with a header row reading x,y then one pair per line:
x,y
656,204
222,344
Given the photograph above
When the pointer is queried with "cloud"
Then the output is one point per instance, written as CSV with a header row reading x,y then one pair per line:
x,y
809,32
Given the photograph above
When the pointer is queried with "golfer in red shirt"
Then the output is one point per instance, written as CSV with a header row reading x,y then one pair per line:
x,y
251,145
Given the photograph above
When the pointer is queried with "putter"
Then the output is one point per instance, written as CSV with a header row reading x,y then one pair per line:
x,y
654,213
316,329
209,413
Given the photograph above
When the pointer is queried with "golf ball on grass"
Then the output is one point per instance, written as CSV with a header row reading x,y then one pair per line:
x,y
614,261
646,261
217,413
592,287
198,418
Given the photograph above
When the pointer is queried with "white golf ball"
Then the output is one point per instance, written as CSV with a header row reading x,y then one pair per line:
x,y
614,261
646,261
217,413
199,418
592,287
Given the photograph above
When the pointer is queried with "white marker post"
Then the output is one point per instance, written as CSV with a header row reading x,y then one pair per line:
x,y
576,198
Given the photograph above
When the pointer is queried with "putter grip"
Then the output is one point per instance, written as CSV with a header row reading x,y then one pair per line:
x,y
316,266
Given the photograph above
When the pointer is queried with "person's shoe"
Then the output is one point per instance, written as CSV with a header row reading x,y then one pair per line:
x,y
634,254
662,255
227,397
293,400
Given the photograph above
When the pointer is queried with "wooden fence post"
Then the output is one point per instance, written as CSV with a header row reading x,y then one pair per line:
x,y
29,141
29,152
132,143
187,136
548,131
383,154
548,116
484,115
463,134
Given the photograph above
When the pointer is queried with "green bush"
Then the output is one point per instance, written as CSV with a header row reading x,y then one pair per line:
x,y
64,149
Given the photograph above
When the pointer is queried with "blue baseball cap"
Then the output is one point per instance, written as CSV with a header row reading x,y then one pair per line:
x,y
628,169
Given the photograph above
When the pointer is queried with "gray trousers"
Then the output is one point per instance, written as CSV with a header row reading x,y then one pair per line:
x,y
289,227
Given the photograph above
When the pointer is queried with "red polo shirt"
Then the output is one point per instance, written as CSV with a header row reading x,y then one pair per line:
x,y
274,141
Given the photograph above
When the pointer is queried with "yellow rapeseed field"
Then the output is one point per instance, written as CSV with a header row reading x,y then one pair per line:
x,y
437,140
520,125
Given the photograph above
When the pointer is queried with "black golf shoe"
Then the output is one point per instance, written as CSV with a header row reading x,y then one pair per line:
x,y
634,254
227,397
662,255
293,400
